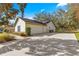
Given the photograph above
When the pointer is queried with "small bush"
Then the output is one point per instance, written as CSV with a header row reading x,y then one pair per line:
x,y
5,37
20,33
28,30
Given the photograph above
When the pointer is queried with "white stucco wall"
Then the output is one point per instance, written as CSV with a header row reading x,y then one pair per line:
x,y
20,23
51,26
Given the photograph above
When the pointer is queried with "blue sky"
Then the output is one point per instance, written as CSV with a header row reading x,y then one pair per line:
x,y
34,8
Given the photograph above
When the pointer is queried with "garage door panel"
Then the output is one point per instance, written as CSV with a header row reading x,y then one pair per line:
x,y
36,30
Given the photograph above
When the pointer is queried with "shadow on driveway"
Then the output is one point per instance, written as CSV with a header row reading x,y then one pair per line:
x,y
46,47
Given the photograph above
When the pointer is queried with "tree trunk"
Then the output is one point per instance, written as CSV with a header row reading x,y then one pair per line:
x,y
23,14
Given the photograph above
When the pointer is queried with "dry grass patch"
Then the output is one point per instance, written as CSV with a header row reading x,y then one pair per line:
x,y
4,37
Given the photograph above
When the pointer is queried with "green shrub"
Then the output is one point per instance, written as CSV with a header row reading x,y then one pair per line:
x,y
28,31
6,30
59,30
5,37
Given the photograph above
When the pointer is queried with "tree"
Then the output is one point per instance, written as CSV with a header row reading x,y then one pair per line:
x,y
12,13
60,20
7,10
74,7
22,6
4,7
42,16
64,21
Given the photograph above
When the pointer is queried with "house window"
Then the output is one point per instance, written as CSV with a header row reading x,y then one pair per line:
x,y
18,28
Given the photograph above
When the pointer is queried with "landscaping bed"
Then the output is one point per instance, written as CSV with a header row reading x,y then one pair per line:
x,y
20,33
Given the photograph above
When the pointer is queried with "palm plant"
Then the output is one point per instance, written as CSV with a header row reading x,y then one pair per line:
x,y
7,10
22,6
12,13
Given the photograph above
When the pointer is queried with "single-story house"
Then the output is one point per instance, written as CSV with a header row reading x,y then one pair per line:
x,y
36,27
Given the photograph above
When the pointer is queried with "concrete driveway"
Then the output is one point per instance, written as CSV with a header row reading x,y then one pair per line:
x,y
50,44
65,36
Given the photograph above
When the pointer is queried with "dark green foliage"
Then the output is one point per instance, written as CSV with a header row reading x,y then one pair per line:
x,y
28,31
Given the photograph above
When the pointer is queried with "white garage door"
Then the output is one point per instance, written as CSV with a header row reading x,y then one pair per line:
x,y
36,30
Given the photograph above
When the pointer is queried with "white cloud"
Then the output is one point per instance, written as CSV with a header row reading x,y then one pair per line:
x,y
61,4
29,17
42,10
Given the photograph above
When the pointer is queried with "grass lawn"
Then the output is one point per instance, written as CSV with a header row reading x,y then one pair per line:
x,y
77,35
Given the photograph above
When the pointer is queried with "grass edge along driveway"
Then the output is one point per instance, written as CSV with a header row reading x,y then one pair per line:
x,y
77,36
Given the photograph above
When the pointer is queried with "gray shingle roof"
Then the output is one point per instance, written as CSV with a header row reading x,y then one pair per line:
x,y
35,21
